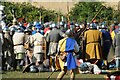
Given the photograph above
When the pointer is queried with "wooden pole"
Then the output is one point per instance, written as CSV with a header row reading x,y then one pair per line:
x,y
40,17
58,16
68,18
97,13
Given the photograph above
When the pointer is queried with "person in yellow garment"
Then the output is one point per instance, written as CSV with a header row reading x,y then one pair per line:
x,y
93,44
68,47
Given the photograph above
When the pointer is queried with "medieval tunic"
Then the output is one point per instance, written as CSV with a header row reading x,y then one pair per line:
x,y
7,45
116,44
68,45
53,37
93,48
107,42
8,52
18,41
37,40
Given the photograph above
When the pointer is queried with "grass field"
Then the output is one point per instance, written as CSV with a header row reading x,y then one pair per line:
x,y
17,75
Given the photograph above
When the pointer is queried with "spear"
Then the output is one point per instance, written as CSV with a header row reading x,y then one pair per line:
x,y
97,13
40,16
68,12
58,15
91,21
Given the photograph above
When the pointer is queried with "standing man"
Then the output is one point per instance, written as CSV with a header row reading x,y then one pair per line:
x,y
68,47
7,49
37,40
27,46
116,45
107,42
53,38
93,39
19,50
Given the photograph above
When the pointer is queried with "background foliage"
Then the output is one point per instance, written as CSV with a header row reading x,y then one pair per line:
x,y
82,11
28,12
85,11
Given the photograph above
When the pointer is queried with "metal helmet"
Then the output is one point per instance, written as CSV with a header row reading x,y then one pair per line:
x,y
27,30
33,69
93,25
69,32
6,29
38,26
53,25
84,67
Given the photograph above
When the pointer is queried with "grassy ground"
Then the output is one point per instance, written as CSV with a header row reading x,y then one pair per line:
x,y
17,75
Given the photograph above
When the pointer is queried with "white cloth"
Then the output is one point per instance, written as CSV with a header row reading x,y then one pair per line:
x,y
19,49
96,69
18,38
37,39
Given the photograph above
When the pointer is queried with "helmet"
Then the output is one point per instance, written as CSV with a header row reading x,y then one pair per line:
x,y
27,30
84,67
76,25
119,25
69,32
103,26
6,29
72,26
38,26
61,23
34,23
33,69
19,29
93,25
53,25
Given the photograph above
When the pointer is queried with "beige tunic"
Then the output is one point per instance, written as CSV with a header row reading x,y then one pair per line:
x,y
18,40
37,40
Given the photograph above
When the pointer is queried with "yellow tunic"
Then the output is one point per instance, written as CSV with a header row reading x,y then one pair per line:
x,y
112,35
93,47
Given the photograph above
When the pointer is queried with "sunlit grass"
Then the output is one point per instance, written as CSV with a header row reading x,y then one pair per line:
x,y
44,75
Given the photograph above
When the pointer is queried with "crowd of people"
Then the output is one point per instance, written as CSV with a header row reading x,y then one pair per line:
x,y
54,47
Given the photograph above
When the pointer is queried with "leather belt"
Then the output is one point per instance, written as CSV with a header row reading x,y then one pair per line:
x,y
18,44
93,42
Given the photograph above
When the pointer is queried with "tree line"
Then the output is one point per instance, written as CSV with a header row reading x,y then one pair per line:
x,y
82,11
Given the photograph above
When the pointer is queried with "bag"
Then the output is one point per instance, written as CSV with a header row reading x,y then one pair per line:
x,y
62,56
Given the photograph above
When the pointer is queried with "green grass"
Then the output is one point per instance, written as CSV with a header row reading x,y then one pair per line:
x,y
44,75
